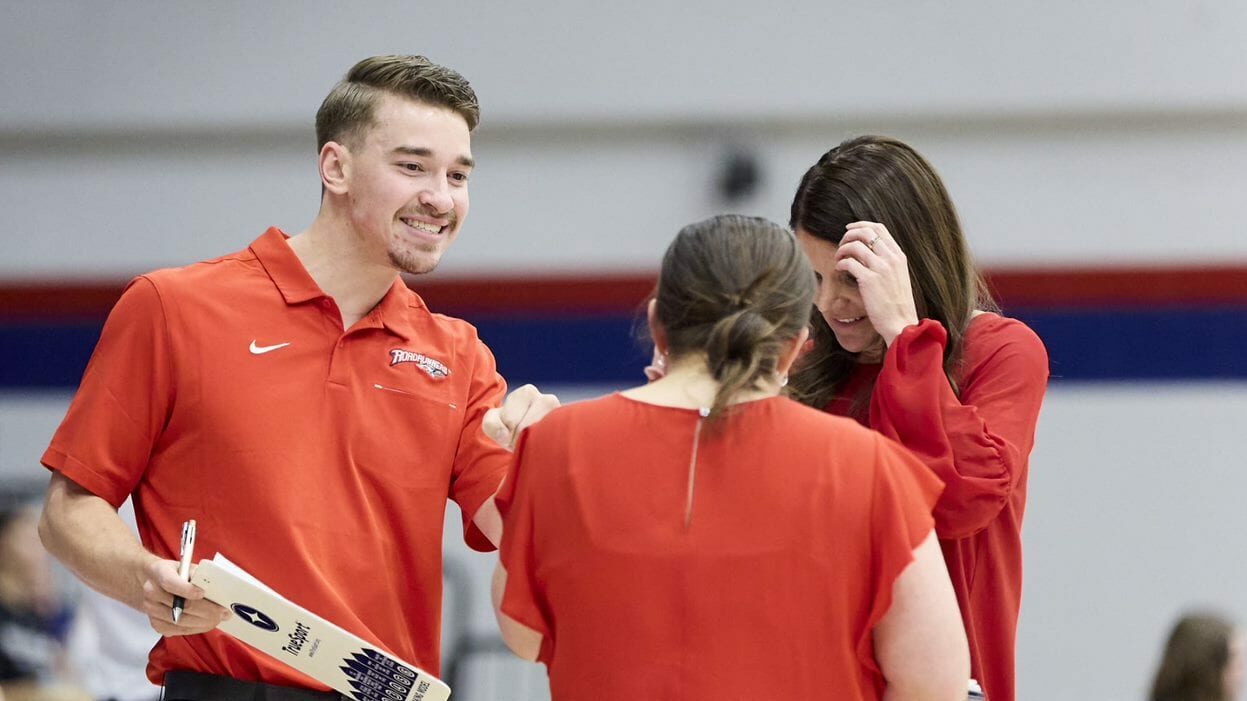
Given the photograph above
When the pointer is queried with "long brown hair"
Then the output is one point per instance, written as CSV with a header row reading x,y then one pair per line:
x,y
1196,656
733,288
880,179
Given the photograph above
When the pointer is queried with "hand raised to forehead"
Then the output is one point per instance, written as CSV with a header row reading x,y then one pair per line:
x,y
874,259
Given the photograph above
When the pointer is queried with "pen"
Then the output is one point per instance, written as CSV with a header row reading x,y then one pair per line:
x,y
184,567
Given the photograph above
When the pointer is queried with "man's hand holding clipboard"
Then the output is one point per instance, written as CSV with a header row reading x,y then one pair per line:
x,y
173,605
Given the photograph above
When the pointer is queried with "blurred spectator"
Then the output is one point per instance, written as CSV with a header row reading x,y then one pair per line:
x,y
33,617
1203,661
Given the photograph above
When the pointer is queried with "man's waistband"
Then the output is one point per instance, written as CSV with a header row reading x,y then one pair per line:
x,y
181,685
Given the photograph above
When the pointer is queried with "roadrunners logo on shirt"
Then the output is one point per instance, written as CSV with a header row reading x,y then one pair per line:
x,y
424,362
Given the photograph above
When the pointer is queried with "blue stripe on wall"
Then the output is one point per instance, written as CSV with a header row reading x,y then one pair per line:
x,y
34,355
1174,343
549,350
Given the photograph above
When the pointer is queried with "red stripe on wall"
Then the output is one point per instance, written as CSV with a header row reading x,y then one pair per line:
x,y
561,294
615,293
58,300
1143,286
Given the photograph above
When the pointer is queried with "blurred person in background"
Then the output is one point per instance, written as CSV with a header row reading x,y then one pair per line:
x,y
1202,661
301,403
108,642
704,537
908,341
34,616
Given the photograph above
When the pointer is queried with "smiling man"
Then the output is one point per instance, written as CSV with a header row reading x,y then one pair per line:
x,y
301,403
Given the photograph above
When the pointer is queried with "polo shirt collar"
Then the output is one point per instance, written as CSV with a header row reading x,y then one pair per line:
x,y
297,286
283,266
393,309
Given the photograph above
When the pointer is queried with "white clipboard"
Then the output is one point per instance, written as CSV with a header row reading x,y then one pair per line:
x,y
291,634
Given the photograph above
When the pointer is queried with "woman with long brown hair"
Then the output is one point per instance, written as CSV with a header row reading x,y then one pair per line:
x,y
704,537
908,341
1203,661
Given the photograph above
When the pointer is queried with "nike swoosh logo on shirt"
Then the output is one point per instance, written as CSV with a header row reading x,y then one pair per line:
x,y
261,350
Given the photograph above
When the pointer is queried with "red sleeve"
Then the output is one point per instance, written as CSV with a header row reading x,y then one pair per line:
x,y
524,598
978,444
123,402
902,496
480,463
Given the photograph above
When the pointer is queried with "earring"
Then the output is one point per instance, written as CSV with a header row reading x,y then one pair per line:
x,y
783,380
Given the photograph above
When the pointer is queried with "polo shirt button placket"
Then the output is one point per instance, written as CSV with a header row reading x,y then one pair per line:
x,y
334,320
336,361
327,304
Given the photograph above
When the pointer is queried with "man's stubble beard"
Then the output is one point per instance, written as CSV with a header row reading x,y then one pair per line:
x,y
418,258
411,265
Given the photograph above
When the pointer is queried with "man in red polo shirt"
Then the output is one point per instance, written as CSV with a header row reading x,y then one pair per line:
x,y
300,402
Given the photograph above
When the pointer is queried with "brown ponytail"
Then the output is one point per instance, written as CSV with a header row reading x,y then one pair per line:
x,y
734,289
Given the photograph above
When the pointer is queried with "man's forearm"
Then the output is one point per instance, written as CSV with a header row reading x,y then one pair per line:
x,y
489,521
85,533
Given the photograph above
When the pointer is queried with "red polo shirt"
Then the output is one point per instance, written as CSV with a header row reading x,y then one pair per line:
x,y
318,460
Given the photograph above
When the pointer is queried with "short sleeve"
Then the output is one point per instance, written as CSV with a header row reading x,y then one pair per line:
x,y
524,598
904,493
480,463
123,402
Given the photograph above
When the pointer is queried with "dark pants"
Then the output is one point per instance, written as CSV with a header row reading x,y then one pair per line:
x,y
192,686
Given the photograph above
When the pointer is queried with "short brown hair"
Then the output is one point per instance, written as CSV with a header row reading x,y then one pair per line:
x,y
733,288
348,109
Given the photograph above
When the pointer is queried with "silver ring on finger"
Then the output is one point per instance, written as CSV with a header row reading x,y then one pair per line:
x,y
871,244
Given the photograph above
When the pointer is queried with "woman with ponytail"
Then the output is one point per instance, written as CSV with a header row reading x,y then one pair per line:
x,y
908,341
704,537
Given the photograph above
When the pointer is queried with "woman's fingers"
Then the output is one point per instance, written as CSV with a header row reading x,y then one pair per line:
x,y
854,267
868,252
874,236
